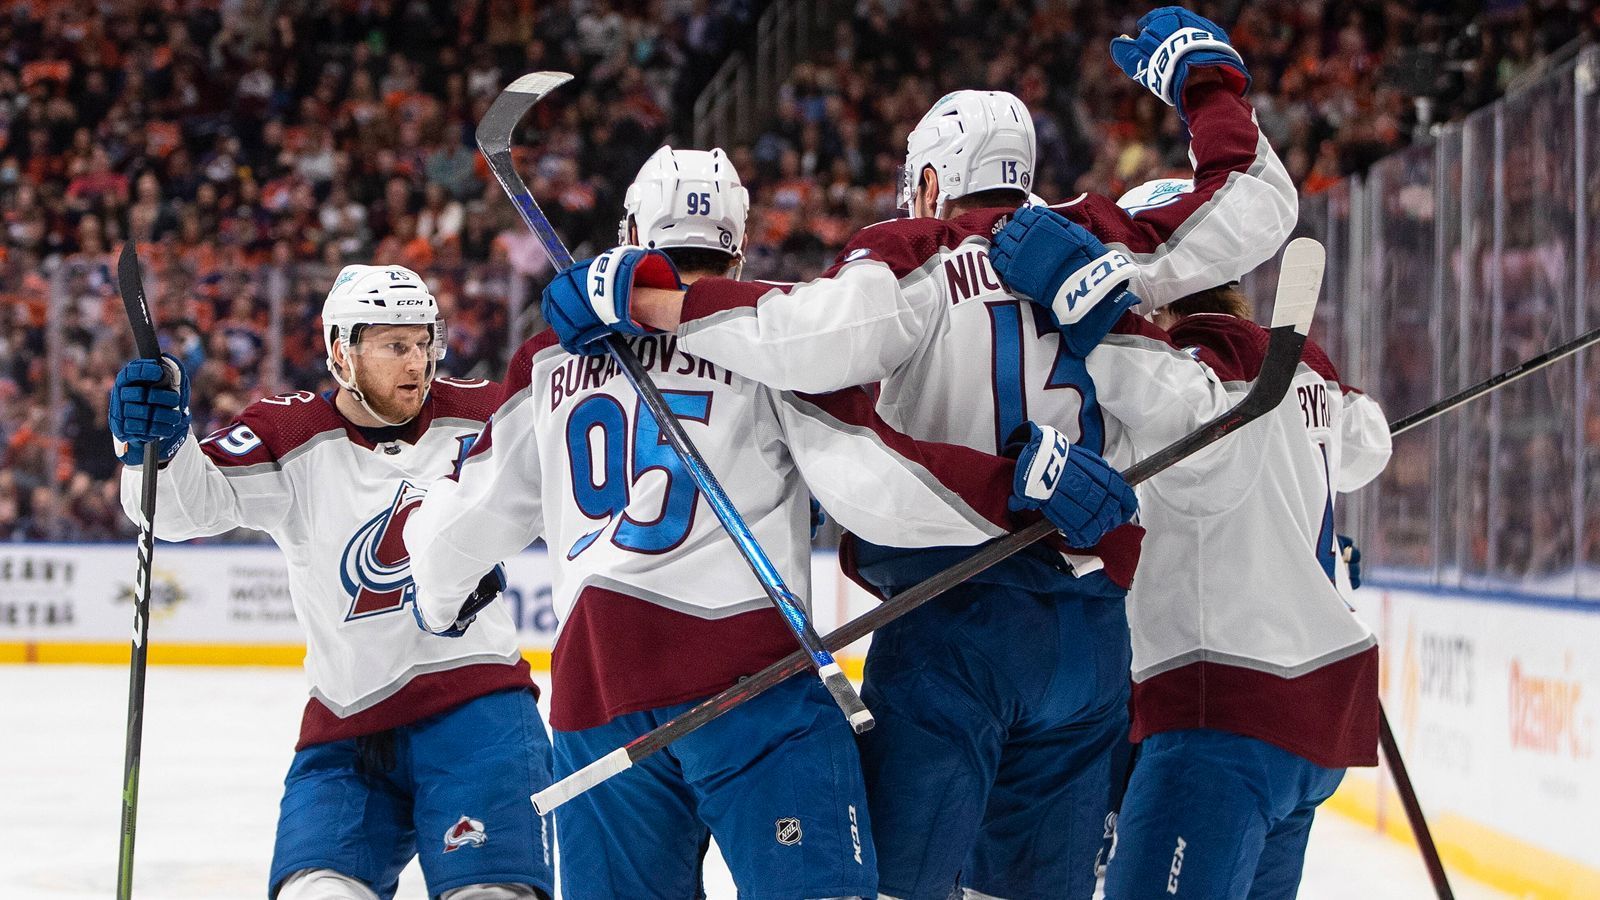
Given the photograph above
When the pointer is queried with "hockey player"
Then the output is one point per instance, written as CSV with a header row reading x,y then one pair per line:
x,y
411,744
658,610
1002,706
1253,687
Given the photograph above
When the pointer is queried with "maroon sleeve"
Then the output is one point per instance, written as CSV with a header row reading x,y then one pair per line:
x,y
904,245
462,398
269,429
1224,140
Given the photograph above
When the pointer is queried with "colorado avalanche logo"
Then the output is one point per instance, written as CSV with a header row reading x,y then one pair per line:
x,y
375,568
466,833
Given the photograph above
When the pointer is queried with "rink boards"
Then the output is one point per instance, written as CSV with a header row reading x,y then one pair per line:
x,y
229,605
1494,697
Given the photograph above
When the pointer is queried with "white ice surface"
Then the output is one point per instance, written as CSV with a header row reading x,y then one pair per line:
x,y
217,742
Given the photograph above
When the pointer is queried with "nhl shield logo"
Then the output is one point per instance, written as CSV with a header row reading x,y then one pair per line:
x,y
788,831
467,832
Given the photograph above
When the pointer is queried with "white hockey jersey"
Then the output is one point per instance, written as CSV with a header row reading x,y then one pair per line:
x,y
335,502
655,603
913,305
1236,622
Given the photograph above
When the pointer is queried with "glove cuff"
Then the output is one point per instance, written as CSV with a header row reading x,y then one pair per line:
x,y
1163,74
1081,290
1038,477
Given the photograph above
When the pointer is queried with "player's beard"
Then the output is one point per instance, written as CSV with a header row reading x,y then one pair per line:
x,y
393,404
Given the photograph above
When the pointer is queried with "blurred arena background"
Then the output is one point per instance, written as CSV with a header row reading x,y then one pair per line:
x,y
1447,155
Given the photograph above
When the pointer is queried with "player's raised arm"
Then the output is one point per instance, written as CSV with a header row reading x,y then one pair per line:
x,y
1242,205
230,479
489,510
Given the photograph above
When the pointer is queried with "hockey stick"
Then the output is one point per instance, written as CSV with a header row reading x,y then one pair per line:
x,y
131,286
1299,283
1413,807
1527,367
494,141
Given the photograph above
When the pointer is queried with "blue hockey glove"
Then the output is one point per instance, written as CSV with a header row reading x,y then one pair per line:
x,y
489,587
1071,486
149,402
589,301
1171,43
1063,267
817,517
1351,554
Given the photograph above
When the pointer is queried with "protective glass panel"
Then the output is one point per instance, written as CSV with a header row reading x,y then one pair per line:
x,y
1531,532
1473,333
1451,279
1587,269
1403,345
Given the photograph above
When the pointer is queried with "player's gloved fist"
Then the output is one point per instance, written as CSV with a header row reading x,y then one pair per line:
x,y
589,301
1062,266
1351,554
1073,487
149,402
1172,42
490,586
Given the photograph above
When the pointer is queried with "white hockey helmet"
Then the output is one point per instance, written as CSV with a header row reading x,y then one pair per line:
x,y
975,141
1155,194
686,198
377,295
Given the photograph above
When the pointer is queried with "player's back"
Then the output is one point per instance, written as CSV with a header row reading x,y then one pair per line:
x,y
987,361
663,588
990,361
1236,584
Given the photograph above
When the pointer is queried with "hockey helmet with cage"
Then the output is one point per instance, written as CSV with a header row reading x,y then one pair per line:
x,y
686,198
1155,194
377,295
974,141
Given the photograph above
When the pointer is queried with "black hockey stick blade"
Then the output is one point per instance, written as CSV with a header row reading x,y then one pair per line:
x,y
1467,395
1298,287
130,283
494,141
500,122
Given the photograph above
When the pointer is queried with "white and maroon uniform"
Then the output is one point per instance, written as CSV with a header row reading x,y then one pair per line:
x,y
656,605
1237,625
294,467
912,304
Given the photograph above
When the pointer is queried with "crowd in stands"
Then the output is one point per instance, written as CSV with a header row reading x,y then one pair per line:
x,y
253,147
